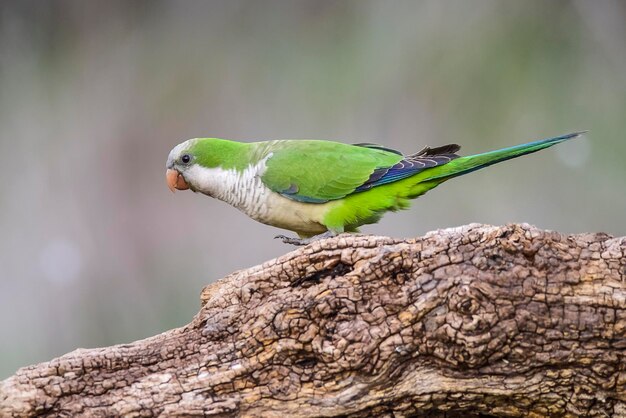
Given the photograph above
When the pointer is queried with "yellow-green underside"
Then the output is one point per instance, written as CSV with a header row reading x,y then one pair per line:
x,y
368,207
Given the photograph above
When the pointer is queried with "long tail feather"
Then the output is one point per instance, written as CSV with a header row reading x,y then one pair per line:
x,y
464,165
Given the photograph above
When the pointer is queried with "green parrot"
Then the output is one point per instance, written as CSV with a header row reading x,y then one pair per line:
x,y
321,188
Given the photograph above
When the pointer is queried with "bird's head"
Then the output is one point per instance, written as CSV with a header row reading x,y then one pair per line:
x,y
179,163
193,163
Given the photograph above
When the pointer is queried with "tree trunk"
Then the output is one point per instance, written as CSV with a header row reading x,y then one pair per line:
x,y
472,321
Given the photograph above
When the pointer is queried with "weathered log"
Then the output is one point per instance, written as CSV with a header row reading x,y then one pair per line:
x,y
472,321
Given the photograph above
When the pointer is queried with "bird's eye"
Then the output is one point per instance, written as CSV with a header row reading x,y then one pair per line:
x,y
186,158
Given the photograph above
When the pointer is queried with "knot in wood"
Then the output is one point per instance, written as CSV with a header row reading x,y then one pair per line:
x,y
471,310
471,316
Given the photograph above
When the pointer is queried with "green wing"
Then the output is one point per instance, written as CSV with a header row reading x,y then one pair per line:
x,y
318,171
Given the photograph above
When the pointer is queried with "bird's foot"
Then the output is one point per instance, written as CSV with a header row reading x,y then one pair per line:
x,y
292,241
305,241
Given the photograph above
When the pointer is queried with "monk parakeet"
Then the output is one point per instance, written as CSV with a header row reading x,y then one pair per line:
x,y
321,188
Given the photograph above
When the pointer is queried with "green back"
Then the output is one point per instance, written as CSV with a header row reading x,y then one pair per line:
x,y
318,171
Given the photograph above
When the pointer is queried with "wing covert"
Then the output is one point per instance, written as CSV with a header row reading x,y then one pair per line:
x,y
319,171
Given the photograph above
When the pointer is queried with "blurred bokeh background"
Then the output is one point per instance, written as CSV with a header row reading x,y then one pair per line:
x,y
94,250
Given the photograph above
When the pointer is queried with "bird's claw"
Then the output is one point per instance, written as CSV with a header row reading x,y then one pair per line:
x,y
292,241
305,241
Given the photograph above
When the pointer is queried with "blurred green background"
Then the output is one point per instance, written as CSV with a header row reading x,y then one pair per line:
x,y
95,250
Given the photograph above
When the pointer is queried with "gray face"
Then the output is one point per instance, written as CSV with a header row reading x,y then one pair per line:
x,y
174,158
178,164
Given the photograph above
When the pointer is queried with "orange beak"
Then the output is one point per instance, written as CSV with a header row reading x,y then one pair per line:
x,y
175,180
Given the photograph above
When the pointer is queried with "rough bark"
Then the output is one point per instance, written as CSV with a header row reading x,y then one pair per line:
x,y
478,320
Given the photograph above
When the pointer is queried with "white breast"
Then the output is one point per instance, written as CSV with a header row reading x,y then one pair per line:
x,y
245,191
